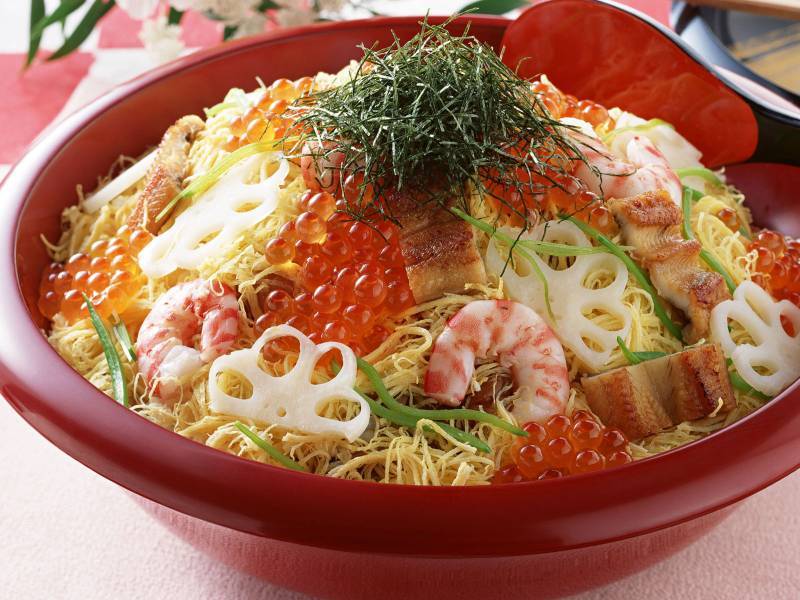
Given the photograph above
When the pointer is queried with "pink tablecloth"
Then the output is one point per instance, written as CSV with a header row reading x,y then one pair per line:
x,y
68,533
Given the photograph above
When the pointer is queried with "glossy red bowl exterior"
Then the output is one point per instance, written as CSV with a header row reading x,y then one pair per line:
x,y
326,536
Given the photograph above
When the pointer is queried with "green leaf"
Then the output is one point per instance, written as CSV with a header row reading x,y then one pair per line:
x,y
112,358
279,456
696,194
267,5
65,9
637,357
229,31
174,16
96,12
493,7
37,14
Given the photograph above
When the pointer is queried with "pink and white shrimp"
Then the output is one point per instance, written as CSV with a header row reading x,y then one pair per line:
x,y
165,345
645,170
519,338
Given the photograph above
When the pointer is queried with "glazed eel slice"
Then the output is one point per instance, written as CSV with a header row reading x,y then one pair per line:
x,y
165,178
656,394
650,222
439,249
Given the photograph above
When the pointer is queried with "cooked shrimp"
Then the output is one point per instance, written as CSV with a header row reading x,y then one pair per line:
x,y
519,338
321,166
165,346
645,170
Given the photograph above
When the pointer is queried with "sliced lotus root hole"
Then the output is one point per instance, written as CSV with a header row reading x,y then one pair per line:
x,y
235,384
247,206
598,279
603,318
592,344
279,356
338,409
739,333
326,367
206,239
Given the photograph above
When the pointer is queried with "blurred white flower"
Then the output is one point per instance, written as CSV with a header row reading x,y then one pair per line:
x,y
252,25
198,5
331,5
232,12
138,9
161,40
295,12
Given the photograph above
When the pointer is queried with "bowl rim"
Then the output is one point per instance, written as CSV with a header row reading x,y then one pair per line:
x,y
172,456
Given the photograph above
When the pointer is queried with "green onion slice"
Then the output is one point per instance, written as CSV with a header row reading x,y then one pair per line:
x,y
706,174
652,123
112,358
637,357
121,333
740,384
269,448
464,414
695,194
218,108
707,257
202,183
634,270
410,422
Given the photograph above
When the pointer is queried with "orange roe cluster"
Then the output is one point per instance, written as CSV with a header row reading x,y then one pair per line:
x,y
519,196
351,277
108,274
268,111
564,446
778,265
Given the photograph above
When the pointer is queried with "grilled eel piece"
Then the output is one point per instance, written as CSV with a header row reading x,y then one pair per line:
x,y
657,394
650,222
438,248
165,177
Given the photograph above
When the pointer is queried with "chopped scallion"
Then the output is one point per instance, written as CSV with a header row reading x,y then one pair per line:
x,y
118,383
637,357
121,333
707,257
740,384
276,454
646,126
202,183
410,422
700,172
463,414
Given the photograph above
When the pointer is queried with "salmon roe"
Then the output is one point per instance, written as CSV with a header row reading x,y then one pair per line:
x,y
267,115
564,446
351,276
107,273
778,265
524,190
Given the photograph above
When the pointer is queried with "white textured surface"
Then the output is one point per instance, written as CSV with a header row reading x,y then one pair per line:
x,y
67,533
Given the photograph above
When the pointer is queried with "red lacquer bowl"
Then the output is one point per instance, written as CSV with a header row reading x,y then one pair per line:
x,y
325,536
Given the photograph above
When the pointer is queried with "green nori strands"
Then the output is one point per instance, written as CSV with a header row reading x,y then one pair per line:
x,y
432,116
